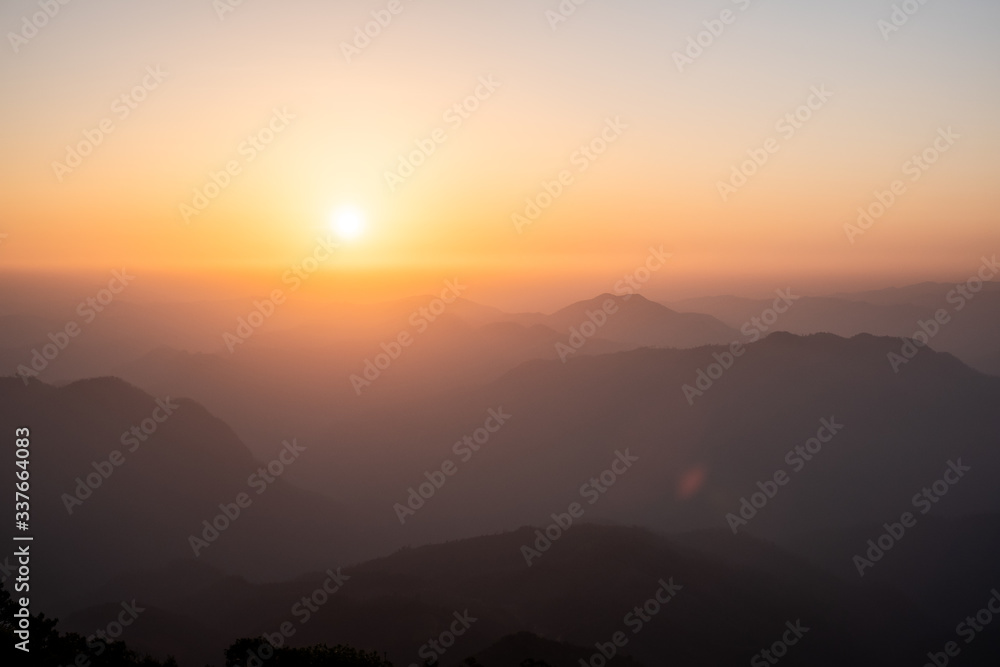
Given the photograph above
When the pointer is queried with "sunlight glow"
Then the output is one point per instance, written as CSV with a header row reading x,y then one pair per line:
x,y
348,223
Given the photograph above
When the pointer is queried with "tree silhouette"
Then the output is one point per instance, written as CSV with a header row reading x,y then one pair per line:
x,y
50,648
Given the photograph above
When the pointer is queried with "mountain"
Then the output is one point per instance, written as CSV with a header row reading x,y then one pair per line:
x,y
700,452
810,315
961,319
671,602
637,321
700,449
805,447
121,480
925,293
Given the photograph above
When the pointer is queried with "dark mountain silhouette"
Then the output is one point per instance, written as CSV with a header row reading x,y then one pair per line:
x,y
698,458
808,315
970,331
144,510
577,595
700,430
644,323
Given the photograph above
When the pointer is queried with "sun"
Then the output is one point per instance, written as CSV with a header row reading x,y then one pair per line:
x,y
348,223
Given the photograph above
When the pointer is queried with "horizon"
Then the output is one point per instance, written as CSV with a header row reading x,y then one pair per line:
x,y
814,141
158,287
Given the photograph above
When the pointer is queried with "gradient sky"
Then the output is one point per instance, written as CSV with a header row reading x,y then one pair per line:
x,y
657,184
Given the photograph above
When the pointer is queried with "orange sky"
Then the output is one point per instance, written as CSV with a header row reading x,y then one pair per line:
x,y
196,87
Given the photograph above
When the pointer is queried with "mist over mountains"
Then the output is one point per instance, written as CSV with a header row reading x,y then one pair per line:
x,y
544,474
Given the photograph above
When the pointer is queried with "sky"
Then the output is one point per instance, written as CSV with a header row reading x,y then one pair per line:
x,y
315,122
